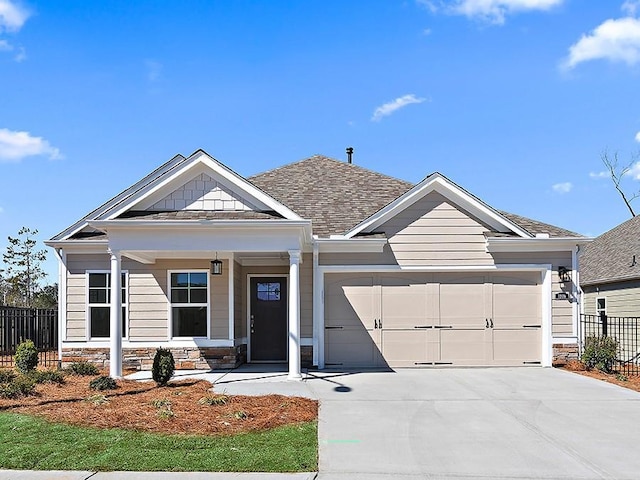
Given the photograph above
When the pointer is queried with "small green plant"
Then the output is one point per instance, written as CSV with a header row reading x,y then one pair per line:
x,y
166,413
240,415
163,366
103,383
20,386
83,368
215,399
47,376
621,377
97,399
26,357
7,375
161,403
600,353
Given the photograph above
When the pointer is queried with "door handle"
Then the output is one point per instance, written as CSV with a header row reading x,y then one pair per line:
x,y
491,320
375,323
486,321
380,323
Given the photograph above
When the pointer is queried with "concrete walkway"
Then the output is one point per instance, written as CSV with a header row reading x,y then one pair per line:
x,y
500,423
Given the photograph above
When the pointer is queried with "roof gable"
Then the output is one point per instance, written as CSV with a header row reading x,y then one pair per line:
x,y
455,194
215,187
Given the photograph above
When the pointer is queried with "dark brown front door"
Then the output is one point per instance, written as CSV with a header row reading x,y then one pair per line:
x,y
268,320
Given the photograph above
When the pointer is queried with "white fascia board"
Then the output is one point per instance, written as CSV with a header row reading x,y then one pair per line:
x,y
359,245
438,183
144,236
192,163
157,173
79,246
500,244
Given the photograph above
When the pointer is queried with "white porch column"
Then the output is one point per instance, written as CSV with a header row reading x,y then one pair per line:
x,y
115,317
294,315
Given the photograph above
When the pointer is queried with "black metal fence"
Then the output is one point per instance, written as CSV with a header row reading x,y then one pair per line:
x,y
36,324
626,333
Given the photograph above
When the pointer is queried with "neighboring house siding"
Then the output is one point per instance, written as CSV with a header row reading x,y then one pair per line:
x,y
434,232
622,298
561,310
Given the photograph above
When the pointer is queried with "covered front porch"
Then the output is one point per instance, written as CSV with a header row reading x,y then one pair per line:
x,y
232,292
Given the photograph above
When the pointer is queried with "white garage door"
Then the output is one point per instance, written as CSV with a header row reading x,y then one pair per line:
x,y
407,320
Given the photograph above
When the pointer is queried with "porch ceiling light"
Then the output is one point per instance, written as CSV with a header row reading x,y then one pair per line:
x,y
216,266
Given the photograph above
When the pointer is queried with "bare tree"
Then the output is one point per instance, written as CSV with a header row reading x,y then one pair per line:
x,y
617,173
24,270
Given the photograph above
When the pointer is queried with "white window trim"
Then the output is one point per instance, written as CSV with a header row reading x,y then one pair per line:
x,y
88,305
605,305
170,304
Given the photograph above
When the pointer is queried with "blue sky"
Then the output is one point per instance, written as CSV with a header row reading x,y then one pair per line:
x,y
515,100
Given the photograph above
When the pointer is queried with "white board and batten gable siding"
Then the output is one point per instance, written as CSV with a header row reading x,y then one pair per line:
x,y
434,231
203,193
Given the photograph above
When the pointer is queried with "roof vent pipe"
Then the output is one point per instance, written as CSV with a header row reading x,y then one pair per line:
x,y
349,154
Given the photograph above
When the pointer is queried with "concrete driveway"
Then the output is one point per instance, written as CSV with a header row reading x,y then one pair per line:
x,y
500,423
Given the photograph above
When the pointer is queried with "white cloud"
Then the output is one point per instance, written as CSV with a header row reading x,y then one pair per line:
x,y
492,11
634,171
599,174
637,137
5,46
20,55
1,210
615,40
630,7
564,187
390,107
14,146
154,70
12,16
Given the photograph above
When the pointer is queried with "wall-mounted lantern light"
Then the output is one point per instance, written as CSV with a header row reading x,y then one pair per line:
x,y
564,275
216,266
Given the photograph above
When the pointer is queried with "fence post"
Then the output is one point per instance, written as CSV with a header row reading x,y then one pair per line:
x,y
603,321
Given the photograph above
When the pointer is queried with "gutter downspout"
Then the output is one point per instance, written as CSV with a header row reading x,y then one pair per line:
x,y
316,304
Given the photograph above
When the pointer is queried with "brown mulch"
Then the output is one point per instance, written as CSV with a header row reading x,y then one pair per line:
x,y
131,406
632,382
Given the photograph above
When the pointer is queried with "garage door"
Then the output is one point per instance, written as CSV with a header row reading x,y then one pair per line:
x,y
408,320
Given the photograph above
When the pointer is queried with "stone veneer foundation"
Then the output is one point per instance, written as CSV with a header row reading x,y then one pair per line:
x,y
563,352
186,358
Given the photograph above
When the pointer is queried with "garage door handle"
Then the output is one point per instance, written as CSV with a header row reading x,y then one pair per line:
x,y
333,328
443,326
531,326
422,326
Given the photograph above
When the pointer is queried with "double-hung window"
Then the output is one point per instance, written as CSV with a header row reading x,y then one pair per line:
x,y
189,298
98,304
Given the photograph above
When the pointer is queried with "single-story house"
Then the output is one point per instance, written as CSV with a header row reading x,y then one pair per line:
x,y
318,262
610,272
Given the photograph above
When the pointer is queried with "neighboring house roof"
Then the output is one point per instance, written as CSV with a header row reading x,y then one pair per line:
x,y
200,215
337,196
610,257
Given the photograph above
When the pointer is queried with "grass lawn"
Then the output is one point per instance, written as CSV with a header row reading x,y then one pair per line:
x,y
31,443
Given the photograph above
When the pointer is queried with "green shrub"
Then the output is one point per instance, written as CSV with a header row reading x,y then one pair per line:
x,y
97,399
47,376
600,353
83,368
6,375
103,383
26,357
163,366
20,386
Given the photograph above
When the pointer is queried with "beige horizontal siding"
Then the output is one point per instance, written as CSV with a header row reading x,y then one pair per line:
x,y
434,232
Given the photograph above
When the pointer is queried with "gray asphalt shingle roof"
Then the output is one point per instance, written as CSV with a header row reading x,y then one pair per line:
x,y
337,195
609,258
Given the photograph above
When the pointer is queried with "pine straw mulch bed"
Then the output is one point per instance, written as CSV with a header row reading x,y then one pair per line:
x,y
131,406
632,382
